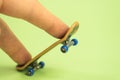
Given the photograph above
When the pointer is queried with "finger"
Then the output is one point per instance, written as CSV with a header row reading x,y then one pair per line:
x,y
1,2
44,19
12,46
16,8
36,14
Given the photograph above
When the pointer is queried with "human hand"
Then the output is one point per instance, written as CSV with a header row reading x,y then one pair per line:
x,y
33,12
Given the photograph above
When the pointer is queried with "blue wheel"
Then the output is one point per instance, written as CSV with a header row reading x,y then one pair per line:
x,y
75,42
41,64
30,71
64,49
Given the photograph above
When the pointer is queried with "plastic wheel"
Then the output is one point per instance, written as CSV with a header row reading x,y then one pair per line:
x,y
30,71
75,42
41,64
64,49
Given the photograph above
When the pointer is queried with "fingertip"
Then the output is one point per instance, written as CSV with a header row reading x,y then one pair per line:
x,y
58,30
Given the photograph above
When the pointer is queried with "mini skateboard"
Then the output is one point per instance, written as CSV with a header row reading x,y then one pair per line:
x,y
33,65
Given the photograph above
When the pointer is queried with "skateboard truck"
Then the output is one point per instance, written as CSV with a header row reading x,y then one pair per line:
x,y
34,66
68,43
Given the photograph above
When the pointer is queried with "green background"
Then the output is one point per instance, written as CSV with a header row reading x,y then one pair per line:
x,y
97,57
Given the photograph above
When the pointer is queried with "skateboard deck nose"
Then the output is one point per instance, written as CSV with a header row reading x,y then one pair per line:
x,y
76,24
